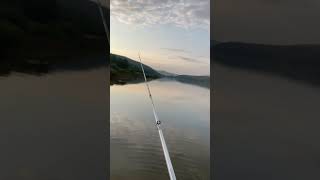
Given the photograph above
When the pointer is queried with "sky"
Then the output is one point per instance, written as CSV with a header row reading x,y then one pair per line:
x,y
267,21
171,35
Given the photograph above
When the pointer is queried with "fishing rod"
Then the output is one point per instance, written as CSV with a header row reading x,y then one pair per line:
x,y
106,29
163,142
158,124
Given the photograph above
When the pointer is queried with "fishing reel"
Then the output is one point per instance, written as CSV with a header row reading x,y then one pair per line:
x,y
158,122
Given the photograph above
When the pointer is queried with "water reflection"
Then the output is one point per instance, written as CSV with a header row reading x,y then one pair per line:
x,y
53,125
135,145
265,127
50,65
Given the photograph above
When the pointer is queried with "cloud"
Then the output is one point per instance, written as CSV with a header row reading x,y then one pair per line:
x,y
192,60
176,50
180,13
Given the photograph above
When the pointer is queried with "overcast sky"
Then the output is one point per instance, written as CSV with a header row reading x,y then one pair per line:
x,y
267,21
172,35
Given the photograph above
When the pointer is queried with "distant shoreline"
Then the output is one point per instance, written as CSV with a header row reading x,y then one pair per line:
x,y
296,62
125,70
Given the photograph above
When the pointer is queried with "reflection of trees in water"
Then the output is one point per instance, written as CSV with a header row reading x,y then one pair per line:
x,y
41,67
7,67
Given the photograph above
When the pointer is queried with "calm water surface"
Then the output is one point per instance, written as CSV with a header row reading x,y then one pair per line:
x,y
136,151
53,126
265,127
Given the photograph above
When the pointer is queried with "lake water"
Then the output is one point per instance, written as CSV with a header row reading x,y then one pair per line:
x,y
136,152
52,126
265,127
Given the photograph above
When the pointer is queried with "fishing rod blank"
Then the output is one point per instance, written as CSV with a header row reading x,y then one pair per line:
x,y
106,29
163,142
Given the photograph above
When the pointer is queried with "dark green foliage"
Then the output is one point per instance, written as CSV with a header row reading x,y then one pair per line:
x,y
124,70
123,63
